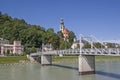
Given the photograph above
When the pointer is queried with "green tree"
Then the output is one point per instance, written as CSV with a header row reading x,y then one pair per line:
x,y
86,45
26,51
110,45
98,45
52,38
31,35
33,50
71,37
65,45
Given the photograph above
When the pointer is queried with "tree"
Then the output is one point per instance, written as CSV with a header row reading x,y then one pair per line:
x,y
71,37
26,51
65,45
59,33
52,38
98,45
33,50
0,13
31,35
110,45
86,45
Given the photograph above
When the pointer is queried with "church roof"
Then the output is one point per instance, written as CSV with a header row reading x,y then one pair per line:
x,y
65,31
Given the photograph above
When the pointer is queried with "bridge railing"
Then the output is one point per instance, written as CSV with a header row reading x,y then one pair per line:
x,y
100,51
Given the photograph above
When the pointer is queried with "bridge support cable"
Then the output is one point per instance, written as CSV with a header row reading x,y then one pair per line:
x,y
94,50
105,48
90,41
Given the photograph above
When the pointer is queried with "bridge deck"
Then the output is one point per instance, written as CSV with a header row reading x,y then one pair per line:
x,y
95,52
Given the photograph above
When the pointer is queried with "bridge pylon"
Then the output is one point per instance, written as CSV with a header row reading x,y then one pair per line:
x,y
86,63
46,59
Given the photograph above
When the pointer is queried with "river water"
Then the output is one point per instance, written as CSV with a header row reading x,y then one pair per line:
x,y
105,70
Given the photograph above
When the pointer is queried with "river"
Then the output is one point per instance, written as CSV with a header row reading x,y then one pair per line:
x,y
105,70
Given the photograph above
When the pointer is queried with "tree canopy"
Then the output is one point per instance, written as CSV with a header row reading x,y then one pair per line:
x,y
31,35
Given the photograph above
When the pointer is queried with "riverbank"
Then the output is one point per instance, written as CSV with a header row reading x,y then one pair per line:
x,y
12,59
75,58
23,59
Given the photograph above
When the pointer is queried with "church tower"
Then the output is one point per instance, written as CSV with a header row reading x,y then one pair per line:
x,y
62,25
64,31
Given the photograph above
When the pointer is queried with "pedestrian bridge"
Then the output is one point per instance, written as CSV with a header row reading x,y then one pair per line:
x,y
94,52
86,56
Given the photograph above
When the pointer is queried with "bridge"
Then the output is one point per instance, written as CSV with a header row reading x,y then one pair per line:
x,y
95,52
86,57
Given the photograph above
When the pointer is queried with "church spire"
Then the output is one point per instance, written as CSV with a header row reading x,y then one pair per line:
x,y
62,25
62,22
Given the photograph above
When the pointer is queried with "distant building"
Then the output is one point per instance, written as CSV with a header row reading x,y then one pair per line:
x,y
75,44
15,48
47,47
64,30
3,41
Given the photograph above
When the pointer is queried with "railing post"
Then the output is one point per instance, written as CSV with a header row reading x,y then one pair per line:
x,y
117,51
80,44
91,43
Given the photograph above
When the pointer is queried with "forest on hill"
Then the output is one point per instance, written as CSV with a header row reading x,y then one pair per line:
x,y
32,35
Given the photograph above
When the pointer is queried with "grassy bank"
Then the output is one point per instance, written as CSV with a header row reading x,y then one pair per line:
x,y
75,58
12,59
107,57
16,59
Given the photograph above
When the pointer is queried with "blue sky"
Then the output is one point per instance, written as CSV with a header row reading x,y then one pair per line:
x,y
100,18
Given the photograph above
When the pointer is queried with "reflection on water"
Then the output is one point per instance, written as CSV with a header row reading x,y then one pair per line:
x,y
105,70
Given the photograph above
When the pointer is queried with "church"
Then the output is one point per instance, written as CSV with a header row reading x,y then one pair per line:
x,y
64,30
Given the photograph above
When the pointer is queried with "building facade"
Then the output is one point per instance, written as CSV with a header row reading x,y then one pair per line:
x,y
3,41
6,48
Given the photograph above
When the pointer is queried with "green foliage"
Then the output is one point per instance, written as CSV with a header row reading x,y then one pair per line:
x,y
71,37
17,29
110,45
98,45
31,35
26,51
65,45
87,45
33,50
12,59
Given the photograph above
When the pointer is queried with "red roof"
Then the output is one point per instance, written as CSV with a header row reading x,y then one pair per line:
x,y
65,31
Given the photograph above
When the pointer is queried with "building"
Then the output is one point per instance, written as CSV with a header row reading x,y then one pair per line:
x,y
3,41
6,48
64,30
76,44
47,47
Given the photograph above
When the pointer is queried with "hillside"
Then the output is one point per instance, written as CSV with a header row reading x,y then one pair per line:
x,y
30,35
